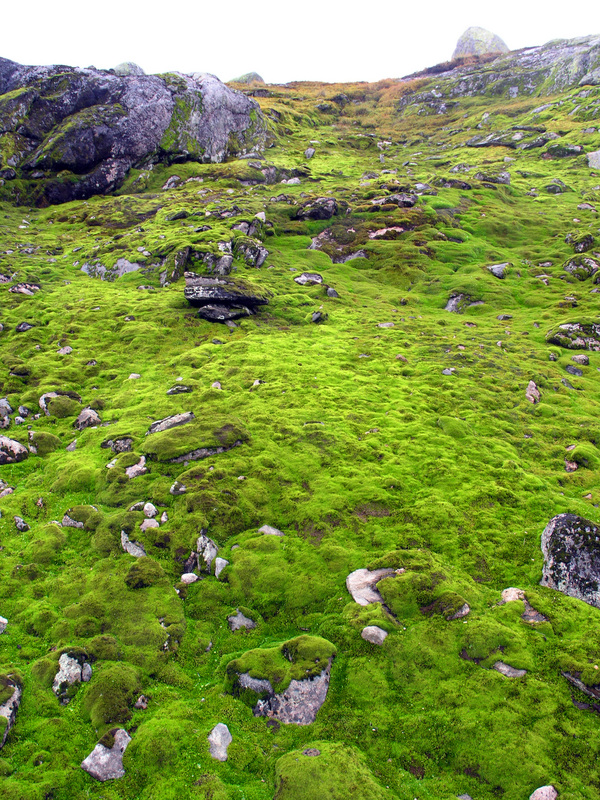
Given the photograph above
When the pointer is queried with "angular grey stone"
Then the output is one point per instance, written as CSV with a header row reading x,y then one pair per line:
x,y
220,564
219,740
137,469
238,621
3,624
20,524
105,763
150,510
207,550
299,703
499,270
532,393
374,634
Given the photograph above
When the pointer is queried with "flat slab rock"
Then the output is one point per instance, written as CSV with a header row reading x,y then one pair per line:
x,y
508,671
571,549
105,763
170,422
362,585
299,703
219,740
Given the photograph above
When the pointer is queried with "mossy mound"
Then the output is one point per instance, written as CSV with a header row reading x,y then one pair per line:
x,y
327,770
199,439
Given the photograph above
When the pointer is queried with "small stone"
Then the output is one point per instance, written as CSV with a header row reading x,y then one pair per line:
x,y
164,517
178,488
309,279
134,376
71,671
374,634
331,292
512,594
499,270
219,740
544,793
268,530
65,351
23,326
571,466
574,370
147,524
385,325
3,624
238,621
309,152
581,359
150,510
362,585
141,703
105,763
508,671
189,577
311,751
504,317
20,524
216,385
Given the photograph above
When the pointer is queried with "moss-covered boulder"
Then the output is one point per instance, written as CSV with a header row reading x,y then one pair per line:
x,y
145,572
199,439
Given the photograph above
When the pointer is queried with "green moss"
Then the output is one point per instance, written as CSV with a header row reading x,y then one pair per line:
x,y
111,694
145,572
45,443
198,435
63,406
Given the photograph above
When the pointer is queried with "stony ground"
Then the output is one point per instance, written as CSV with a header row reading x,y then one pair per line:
x,y
391,427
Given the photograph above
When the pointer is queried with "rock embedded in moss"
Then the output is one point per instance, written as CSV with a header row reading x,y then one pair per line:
x,y
88,418
72,670
362,585
374,634
10,694
219,740
145,572
106,763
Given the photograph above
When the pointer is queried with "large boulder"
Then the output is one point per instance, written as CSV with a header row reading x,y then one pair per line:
x,y
70,133
571,548
220,299
478,42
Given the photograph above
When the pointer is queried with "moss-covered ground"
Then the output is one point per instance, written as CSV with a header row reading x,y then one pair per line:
x,y
354,444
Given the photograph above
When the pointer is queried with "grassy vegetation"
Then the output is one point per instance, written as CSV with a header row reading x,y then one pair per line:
x,y
352,442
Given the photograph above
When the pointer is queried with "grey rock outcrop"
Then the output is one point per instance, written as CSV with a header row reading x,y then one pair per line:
x,y
71,671
88,418
207,551
133,548
576,336
499,270
106,763
219,740
9,709
571,549
478,42
220,299
79,131
457,303
12,452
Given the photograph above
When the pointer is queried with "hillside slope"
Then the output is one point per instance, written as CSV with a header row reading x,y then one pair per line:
x,y
405,390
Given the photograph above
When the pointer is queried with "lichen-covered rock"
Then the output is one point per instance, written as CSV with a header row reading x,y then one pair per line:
x,y
207,551
477,41
106,762
576,336
532,393
299,703
320,208
11,452
499,270
571,548
239,621
81,130
72,670
171,422
457,303
88,418
230,299
309,279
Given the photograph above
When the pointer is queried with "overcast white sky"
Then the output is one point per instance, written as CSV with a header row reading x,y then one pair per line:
x,y
283,41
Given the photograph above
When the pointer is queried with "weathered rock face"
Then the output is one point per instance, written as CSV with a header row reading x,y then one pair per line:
x,y
106,763
96,125
576,336
478,42
571,548
219,740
